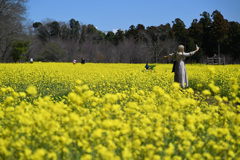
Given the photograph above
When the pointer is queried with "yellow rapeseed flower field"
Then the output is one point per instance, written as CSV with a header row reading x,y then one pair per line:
x,y
53,111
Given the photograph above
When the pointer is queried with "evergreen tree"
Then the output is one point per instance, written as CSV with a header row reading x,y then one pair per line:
x,y
219,29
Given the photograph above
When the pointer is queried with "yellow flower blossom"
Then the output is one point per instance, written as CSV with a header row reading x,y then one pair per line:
x,y
31,90
39,154
206,92
8,100
52,155
170,149
22,94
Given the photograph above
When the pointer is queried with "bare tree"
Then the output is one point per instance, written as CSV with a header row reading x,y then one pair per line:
x,y
124,51
168,46
54,51
110,53
159,42
72,48
88,50
12,14
35,48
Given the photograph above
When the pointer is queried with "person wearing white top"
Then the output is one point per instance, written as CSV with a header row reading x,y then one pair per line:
x,y
180,73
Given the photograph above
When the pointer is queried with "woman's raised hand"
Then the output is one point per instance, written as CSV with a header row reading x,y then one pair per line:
x,y
197,48
165,57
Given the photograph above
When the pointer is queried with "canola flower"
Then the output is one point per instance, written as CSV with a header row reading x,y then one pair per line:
x,y
118,111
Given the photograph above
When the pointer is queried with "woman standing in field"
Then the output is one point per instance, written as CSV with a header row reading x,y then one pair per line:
x,y
180,75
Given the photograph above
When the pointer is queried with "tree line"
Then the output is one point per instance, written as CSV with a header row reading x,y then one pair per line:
x,y
54,41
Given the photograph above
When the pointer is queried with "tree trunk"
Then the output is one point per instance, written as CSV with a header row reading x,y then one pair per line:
x,y
218,50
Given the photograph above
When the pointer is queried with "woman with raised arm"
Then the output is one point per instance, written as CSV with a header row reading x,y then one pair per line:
x,y
180,73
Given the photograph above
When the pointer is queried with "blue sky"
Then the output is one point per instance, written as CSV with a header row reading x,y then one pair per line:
x,y
107,15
